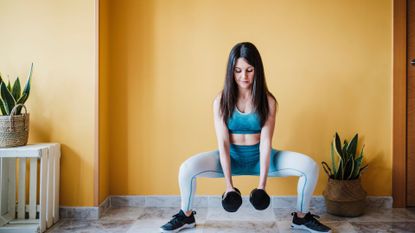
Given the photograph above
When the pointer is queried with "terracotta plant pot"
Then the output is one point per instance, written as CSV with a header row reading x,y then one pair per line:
x,y
345,197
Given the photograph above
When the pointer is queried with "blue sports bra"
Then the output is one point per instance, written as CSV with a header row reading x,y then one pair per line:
x,y
244,123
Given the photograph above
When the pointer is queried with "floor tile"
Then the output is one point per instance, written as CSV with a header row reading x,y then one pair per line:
x,y
337,227
166,213
131,213
245,220
91,226
116,225
396,227
231,226
78,226
385,215
285,215
243,214
150,225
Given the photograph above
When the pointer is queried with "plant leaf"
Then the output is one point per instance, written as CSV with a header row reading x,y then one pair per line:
x,y
333,159
344,150
345,158
339,153
3,111
9,87
361,169
7,98
16,90
26,91
351,150
338,144
340,170
358,163
350,168
346,169
327,169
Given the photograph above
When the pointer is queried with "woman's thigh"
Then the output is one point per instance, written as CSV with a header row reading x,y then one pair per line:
x,y
205,164
282,163
289,163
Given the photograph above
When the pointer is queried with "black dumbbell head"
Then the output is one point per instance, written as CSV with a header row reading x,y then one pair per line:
x,y
259,199
232,201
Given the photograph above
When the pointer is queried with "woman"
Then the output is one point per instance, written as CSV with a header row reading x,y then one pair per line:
x,y
244,116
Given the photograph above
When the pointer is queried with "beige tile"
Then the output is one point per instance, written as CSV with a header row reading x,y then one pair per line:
x,y
230,226
385,215
166,214
337,227
131,213
396,227
150,225
243,214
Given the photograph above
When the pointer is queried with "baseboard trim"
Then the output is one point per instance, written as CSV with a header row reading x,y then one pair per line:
x,y
104,206
79,212
286,202
89,213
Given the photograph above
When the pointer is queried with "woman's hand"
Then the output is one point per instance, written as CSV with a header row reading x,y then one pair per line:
x,y
261,186
229,189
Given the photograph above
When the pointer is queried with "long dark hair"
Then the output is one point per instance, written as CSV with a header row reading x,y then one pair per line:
x,y
259,87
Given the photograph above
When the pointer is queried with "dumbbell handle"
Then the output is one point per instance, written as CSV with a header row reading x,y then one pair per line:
x,y
226,193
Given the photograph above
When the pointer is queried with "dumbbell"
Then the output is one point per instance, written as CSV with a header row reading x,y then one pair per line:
x,y
232,200
259,199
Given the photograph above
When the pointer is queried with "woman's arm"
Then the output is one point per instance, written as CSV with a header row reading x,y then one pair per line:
x,y
222,136
265,145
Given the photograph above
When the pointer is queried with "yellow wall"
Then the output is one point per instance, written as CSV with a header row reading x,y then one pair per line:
x,y
59,38
104,108
327,62
161,64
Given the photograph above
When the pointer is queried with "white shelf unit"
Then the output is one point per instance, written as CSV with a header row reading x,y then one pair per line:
x,y
41,210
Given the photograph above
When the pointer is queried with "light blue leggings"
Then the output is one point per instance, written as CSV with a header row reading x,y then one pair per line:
x,y
245,161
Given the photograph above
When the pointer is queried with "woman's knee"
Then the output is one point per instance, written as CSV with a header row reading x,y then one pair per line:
x,y
314,167
186,167
310,163
303,162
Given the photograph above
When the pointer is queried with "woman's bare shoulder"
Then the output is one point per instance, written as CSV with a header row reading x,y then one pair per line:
x,y
272,102
217,99
271,99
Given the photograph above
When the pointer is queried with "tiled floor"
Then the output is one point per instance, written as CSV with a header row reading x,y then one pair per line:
x,y
246,220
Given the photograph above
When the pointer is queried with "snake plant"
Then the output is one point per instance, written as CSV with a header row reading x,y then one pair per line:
x,y
10,95
346,164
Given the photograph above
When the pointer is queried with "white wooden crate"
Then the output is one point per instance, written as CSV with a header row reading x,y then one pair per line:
x,y
23,215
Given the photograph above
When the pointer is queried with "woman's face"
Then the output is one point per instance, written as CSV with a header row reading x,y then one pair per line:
x,y
243,74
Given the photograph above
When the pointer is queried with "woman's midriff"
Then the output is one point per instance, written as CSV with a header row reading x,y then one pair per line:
x,y
245,139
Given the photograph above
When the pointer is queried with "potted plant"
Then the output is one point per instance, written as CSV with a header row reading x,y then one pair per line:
x,y
344,194
14,125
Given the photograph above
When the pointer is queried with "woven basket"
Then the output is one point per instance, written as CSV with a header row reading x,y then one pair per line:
x,y
345,198
14,129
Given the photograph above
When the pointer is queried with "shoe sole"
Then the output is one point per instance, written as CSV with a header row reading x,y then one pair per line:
x,y
185,226
302,227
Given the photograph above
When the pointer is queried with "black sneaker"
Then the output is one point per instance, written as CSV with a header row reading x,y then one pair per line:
x,y
178,222
309,222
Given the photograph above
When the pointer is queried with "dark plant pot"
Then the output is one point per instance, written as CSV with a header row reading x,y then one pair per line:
x,y
345,198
